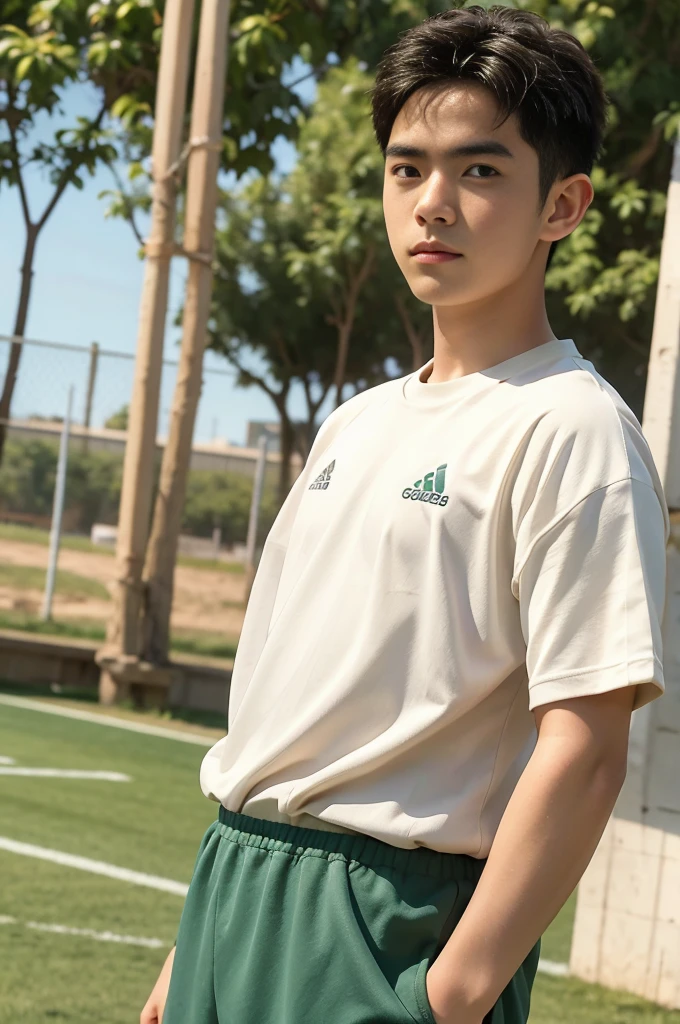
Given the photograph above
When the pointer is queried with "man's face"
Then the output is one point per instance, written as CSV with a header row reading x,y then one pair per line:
x,y
451,177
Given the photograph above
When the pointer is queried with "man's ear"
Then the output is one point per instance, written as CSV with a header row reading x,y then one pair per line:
x,y
566,206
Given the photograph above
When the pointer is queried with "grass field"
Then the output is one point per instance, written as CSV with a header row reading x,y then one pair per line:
x,y
200,642
152,824
29,577
34,535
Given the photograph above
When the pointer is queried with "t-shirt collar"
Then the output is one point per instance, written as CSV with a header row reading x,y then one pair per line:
x,y
417,392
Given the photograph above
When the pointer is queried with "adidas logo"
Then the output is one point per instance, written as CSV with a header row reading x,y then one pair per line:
x,y
430,488
323,479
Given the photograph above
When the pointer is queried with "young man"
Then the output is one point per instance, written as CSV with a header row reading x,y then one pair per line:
x,y
459,603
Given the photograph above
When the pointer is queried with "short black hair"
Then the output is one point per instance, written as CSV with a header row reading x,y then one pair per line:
x,y
543,74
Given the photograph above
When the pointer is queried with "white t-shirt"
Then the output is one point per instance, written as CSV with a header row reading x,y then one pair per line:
x,y
452,556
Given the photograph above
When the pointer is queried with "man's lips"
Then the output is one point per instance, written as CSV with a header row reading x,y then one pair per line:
x,y
435,256
433,251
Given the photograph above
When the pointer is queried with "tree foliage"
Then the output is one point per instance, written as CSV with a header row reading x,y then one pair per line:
x,y
335,190
46,46
222,499
261,100
306,281
119,419
602,282
601,286
93,484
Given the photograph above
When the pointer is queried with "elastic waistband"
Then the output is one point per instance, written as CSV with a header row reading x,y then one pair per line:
x,y
312,842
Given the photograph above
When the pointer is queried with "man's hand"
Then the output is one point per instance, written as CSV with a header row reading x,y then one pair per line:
x,y
448,1006
548,833
155,1004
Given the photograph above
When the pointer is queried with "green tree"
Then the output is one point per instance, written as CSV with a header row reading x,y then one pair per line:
x,y
602,282
261,101
46,46
118,420
222,499
93,482
260,308
258,311
336,188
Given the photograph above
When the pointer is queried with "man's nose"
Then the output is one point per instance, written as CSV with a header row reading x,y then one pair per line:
x,y
436,203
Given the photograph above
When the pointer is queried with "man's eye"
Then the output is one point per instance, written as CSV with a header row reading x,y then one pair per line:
x,y
484,169
404,167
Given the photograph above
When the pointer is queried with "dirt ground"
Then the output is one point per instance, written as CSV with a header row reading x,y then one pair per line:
x,y
201,600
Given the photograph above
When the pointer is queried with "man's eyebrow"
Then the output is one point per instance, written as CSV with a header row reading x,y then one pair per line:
x,y
485,147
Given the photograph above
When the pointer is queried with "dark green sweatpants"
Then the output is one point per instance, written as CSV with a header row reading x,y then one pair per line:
x,y
289,925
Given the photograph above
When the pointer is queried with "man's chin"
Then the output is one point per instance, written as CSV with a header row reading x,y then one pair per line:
x,y
434,294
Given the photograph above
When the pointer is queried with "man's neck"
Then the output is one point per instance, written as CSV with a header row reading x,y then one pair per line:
x,y
468,339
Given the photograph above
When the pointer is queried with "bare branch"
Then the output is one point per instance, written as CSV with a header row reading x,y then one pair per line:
x,y
65,177
129,208
645,153
274,82
251,377
58,192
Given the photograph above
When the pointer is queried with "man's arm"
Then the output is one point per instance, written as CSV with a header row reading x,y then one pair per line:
x,y
545,841
155,1005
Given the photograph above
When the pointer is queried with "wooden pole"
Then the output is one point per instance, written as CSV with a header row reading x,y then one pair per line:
x,y
57,512
122,642
256,497
627,924
204,161
89,395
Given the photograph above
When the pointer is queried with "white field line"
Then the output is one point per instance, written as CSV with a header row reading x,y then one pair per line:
x,y
136,877
7,760
551,967
88,933
66,773
545,966
152,882
96,867
30,704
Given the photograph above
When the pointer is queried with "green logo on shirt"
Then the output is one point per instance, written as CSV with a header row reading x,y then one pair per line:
x,y
323,479
430,488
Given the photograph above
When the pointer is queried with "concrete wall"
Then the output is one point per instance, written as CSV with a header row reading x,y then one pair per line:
x,y
627,927
198,684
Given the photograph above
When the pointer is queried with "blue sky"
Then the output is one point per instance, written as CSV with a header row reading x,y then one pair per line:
x,y
86,287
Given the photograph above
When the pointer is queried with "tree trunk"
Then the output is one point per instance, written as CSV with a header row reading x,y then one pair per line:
x,y
206,123
346,322
414,337
119,657
312,409
167,520
279,398
287,447
19,328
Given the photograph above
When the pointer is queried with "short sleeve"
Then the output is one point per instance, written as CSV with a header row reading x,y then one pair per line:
x,y
591,588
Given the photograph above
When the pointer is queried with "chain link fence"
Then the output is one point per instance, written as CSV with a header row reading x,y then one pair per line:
x,y
209,596
221,474
101,378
